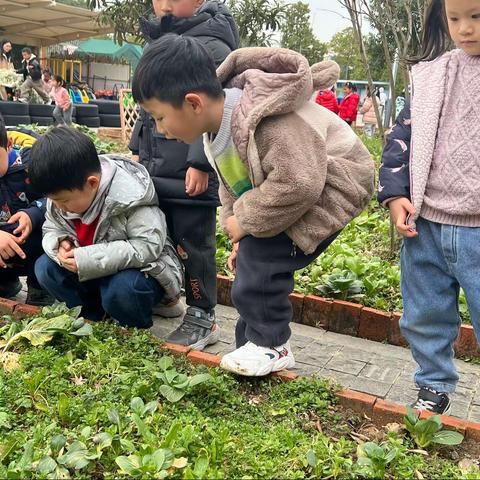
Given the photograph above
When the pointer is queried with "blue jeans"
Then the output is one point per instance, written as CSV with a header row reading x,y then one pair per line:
x,y
435,265
128,296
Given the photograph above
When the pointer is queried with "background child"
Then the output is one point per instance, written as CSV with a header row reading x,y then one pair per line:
x,y
432,193
185,182
104,236
20,224
327,99
369,117
48,82
292,173
63,103
349,105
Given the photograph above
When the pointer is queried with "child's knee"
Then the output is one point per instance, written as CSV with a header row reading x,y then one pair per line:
x,y
45,269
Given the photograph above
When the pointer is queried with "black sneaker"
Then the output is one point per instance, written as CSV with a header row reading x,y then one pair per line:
x,y
197,330
10,289
39,297
432,401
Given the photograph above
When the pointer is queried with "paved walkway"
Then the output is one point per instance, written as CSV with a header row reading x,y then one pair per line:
x,y
370,367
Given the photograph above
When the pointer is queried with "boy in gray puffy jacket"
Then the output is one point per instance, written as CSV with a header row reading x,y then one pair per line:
x,y
104,236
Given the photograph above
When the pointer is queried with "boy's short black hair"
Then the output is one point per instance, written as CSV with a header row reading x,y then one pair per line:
x,y
62,159
26,50
172,67
3,133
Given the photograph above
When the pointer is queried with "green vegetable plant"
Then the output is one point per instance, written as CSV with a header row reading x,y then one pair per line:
x,y
62,459
342,285
429,430
373,459
40,329
328,459
176,385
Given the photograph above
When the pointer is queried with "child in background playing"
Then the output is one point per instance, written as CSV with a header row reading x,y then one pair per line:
x,y
292,173
63,103
186,184
105,238
432,194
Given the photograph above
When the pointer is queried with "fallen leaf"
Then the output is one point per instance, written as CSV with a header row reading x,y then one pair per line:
x,y
417,450
78,380
318,426
393,428
255,400
467,465
10,361
419,475
180,462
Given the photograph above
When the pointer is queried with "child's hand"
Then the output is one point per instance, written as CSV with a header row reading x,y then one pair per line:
x,y
24,226
136,158
234,230
232,259
196,182
64,247
66,256
400,209
9,248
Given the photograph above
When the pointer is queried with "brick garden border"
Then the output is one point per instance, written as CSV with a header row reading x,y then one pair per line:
x,y
352,319
379,411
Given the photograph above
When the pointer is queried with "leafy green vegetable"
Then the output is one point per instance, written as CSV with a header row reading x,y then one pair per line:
x,y
429,430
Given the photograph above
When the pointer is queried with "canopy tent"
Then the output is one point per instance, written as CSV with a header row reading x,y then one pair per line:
x,y
44,22
108,49
98,50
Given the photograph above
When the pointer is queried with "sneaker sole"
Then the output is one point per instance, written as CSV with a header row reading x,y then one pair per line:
x,y
234,367
448,409
210,339
445,412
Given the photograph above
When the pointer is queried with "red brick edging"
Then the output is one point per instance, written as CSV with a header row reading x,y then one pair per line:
x,y
379,411
352,319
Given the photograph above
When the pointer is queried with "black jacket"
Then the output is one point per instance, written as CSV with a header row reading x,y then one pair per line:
x,y
35,72
16,194
168,160
394,180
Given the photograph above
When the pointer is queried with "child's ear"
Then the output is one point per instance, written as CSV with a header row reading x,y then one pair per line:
x,y
195,101
93,181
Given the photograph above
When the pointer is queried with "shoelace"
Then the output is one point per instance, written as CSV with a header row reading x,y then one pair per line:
x,y
422,404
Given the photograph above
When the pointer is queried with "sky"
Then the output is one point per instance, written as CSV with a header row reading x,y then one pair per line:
x,y
328,17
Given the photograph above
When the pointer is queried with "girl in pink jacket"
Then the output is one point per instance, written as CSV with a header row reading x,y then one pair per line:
x,y
63,104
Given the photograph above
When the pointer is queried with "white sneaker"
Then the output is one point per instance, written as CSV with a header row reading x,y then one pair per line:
x,y
254,361
170,311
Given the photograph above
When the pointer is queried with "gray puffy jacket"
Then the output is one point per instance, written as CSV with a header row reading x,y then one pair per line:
x,y
131,231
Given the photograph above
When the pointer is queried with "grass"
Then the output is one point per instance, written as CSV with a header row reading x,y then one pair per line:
x,y
74,406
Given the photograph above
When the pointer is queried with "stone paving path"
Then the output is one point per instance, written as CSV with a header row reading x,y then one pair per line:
x,y
370,367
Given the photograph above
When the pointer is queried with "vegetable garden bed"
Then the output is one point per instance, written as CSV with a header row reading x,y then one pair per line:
x,y
110,404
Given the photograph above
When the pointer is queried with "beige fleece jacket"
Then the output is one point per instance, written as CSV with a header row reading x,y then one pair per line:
x,y
311,174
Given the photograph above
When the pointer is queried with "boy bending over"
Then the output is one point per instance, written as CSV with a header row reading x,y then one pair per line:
x,y
105,238
292,173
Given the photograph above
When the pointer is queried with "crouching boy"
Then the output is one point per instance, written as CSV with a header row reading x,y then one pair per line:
x,y
105,238
292,173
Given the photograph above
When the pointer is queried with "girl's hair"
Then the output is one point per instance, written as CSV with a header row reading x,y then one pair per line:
x,y
4,42
59,79
436,39
351,86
